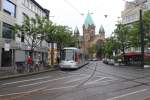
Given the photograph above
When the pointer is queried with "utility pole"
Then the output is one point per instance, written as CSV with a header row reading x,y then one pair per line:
x,y
142,38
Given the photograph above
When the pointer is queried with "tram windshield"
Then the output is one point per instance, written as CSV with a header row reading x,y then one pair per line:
x,y
67,55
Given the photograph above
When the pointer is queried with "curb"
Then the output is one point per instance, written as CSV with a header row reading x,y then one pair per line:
x,y
26,74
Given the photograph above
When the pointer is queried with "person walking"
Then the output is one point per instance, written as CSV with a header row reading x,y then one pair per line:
x,y
37,64
29,63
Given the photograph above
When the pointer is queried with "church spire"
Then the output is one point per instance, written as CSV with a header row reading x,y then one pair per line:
x,y
101,30
88,21
76,31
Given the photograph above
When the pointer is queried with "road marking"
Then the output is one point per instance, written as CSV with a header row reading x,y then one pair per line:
x,y
45,81
26,92
76,79
26,80
109,80
95,81
60,88
73,73
124,95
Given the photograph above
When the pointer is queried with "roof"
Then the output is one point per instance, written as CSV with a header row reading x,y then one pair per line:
x,y
101,30
76,30
88,21
74,48
45,10
130,54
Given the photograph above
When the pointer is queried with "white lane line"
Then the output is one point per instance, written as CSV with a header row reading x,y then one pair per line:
x,y
74,73
78,79
26,80
124,95
95,81
60,88
109,80
46,81
26,92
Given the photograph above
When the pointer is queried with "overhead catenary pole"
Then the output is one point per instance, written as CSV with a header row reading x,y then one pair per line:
x,y
142,38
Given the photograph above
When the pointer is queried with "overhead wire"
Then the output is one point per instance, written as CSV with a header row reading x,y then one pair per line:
x,y
72,6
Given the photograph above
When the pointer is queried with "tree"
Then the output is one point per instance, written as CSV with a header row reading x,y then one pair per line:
x,y
32,30
146,19
58,34
64,36
110,46
92,50
134,36
50,36
135,29
122,35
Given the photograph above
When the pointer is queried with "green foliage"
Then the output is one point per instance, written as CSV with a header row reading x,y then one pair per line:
x,y
32,30
39,29
135,30
146,20
122,34
110,46
92,50
134,35
147,60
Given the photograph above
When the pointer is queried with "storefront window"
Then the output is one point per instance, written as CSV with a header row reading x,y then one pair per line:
x,y
9,8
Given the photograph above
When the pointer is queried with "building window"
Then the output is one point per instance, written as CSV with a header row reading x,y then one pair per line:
x,y
22,37
30,5
24,2
0,4
9,8
27,3
8,31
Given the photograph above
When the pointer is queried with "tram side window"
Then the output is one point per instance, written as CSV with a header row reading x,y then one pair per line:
x,y
67,55
77,57
81,56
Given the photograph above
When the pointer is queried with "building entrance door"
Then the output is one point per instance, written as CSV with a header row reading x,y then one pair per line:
x,y
6,58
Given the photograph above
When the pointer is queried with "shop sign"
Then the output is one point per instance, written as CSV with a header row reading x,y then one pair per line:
x,y
7,46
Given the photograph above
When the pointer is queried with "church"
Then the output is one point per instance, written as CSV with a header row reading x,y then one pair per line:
x,y
90,37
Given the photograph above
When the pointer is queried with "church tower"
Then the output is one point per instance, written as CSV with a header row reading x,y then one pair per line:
x,y
88,31
76,32
77,35
102,32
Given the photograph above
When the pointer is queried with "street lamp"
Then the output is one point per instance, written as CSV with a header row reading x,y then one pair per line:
x,y
141,31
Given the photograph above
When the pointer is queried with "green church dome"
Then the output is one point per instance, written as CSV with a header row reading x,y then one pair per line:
x,y
88,21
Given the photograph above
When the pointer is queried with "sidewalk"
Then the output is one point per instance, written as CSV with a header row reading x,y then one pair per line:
x,y
7,75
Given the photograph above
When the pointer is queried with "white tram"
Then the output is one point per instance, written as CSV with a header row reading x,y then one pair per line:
x,y
72,58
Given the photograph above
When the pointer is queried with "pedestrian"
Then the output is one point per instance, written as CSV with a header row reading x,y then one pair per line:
x,y
58,59
29,62
37,63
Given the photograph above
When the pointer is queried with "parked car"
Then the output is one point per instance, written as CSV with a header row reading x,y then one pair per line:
x,y
105,60
111,62
95,59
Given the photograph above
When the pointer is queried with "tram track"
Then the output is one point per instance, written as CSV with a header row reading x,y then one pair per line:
x,y
91,69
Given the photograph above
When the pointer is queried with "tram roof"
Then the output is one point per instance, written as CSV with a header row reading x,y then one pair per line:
x,y
74,48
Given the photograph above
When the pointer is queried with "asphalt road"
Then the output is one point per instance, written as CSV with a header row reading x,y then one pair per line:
x,y
95,81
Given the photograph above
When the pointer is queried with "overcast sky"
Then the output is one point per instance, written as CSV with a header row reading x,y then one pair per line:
x,y
68,12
